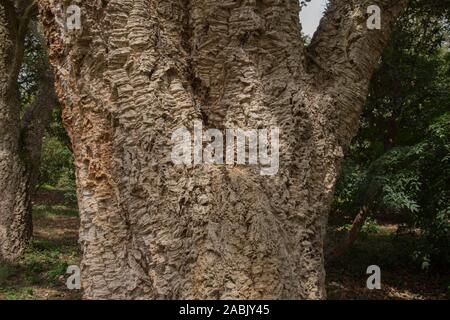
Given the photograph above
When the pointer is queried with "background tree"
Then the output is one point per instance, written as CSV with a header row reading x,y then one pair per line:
x,y
398,163
26,101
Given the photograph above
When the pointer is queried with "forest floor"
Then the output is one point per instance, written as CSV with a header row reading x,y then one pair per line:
x,y
42,273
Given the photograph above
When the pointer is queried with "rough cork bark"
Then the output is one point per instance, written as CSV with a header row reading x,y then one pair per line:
x,y
139,70
14,231
20,137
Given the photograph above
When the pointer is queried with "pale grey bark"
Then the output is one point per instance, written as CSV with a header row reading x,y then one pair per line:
x,y
345,53
141,69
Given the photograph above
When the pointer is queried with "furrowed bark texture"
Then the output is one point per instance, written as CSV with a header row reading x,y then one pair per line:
x,y
14,205
345,53
141,69
20,137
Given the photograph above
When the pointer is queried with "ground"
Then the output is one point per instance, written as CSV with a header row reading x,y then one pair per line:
x,y
402,278
42,273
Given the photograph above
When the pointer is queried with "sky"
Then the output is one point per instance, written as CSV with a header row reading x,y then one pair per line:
x,y
310,16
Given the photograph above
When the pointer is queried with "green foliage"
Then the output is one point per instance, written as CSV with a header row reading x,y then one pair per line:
x,y
13,294
370,226
49,211
45,262
412,183
57,170
56,165
28,78
399,164
42,271
6,271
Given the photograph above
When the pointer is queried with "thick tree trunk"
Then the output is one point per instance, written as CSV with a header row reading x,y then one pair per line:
x,y
20,137
140,70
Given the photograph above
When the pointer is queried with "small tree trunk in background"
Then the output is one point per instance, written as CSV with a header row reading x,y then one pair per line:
x,y
351,236
14,204
20,138
33,127
140,70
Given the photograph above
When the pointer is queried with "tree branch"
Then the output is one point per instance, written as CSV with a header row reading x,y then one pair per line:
x,y
351,236
25,10
345,52
38,116
343,40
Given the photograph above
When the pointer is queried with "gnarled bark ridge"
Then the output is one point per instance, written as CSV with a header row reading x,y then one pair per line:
x,y
141,69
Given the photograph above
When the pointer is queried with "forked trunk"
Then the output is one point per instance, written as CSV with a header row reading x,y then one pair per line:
x,y
140,70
